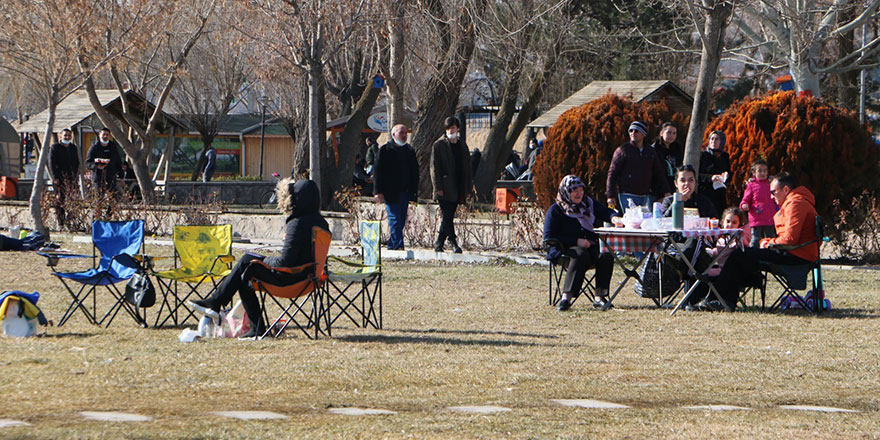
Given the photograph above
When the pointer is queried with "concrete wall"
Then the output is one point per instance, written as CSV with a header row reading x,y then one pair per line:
x,y
229,192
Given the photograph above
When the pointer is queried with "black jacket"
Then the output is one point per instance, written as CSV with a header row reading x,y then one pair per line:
x,y
396,172
635,171
63,162
701,202
671,158
567,229
105,178
297,248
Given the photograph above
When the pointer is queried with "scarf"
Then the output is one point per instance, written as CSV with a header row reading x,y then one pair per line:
x,y
582,211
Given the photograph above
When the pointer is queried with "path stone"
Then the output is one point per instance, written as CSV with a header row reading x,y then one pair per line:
x,y
718,407
827,409
250,415
7,422
355,411
112,416
487,409
588,403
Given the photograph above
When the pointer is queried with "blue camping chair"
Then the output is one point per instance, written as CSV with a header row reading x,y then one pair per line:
x,y
118,243
356,290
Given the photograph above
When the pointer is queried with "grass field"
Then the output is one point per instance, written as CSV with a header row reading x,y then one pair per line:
x,y
460,335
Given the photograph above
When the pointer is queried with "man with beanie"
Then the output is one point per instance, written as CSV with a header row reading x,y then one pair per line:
x,y
635,172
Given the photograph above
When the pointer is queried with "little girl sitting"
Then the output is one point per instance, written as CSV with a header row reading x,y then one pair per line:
x,y
758,203
733,218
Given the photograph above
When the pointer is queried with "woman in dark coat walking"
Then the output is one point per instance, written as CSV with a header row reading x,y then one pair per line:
x,y
451,178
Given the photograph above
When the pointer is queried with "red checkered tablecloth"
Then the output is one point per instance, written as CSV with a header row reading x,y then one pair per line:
x,y
629,240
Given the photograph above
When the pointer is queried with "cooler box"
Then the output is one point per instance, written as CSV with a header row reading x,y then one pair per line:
x,y
504,198
7,187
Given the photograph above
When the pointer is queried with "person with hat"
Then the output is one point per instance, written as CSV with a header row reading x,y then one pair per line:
x,y
714,170
635,172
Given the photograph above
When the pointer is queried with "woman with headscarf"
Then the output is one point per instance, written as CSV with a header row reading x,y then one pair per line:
x,y
571,221
714,170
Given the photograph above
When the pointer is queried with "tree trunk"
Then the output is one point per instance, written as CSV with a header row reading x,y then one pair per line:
x,y
802,75
351,141
315,133
440,97
34,205
494,150
395,82
713,29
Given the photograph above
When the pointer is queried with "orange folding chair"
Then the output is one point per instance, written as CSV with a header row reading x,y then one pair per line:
x,y
297,291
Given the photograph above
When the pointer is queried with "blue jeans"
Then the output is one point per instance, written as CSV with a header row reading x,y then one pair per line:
x,y
396,221
624,198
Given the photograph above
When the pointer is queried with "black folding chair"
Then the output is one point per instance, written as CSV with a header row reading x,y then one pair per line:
x,y
793,277
557,273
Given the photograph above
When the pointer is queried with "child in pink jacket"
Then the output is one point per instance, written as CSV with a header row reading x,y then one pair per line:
x,y
758,203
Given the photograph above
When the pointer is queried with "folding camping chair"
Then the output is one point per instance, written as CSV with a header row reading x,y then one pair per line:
x,y
357,294
205,256
557,273
118,243
302,286
793,277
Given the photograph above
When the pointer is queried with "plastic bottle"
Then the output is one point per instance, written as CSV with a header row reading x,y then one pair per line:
x,y
658,210
677,212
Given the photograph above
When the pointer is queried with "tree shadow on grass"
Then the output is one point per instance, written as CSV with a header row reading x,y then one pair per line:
x,y
847,313
472,332
417,339
68,335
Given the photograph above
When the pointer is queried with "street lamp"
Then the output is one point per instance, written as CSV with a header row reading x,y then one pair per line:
x,y
263,100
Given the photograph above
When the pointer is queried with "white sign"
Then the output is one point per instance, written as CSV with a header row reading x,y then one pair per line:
x,y
378,122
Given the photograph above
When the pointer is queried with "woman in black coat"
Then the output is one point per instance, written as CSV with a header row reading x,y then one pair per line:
x,y
571,221
301,203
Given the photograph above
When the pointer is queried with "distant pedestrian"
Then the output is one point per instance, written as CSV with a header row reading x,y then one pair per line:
x,y
635,172
210,164
476,156
104,162
396,182
64,167
372,151
451,178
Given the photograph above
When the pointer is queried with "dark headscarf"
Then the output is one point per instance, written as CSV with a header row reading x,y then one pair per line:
x,y
582,211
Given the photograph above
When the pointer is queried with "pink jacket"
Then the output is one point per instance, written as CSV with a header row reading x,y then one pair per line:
x,y
761,205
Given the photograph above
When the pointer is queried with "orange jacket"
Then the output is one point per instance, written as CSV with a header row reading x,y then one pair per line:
x,y
796,223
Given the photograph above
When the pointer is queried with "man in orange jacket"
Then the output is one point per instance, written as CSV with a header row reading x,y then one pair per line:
x,y
795,225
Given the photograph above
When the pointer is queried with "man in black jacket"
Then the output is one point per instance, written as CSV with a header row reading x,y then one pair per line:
x,y
104,162
301,202
64,166
396,182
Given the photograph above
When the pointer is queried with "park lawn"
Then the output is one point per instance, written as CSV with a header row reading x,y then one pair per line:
x,y
459,335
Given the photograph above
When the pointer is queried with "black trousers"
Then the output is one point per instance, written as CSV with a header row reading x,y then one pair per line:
x,y
234,282
447,222
581,259
742,267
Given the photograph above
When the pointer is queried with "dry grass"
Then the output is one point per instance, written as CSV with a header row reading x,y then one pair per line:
x,y
459,335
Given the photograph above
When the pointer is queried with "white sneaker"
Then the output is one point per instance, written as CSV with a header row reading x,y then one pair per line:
x,y
204,310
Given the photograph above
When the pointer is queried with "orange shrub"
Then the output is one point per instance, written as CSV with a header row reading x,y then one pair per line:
x,y
583,140
824,146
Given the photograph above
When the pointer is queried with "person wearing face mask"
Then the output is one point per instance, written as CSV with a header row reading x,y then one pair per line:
x,y
64,167
104,162
714,170
451,178
396,182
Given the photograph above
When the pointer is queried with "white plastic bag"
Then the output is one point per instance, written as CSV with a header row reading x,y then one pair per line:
x,y
15,326
236,322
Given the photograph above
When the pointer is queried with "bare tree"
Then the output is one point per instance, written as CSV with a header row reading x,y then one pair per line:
x,y
524,39
216,74
152,67
36,45
303,36
795,34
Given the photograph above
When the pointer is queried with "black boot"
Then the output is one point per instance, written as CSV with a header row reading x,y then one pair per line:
x,y
455,248
438,245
